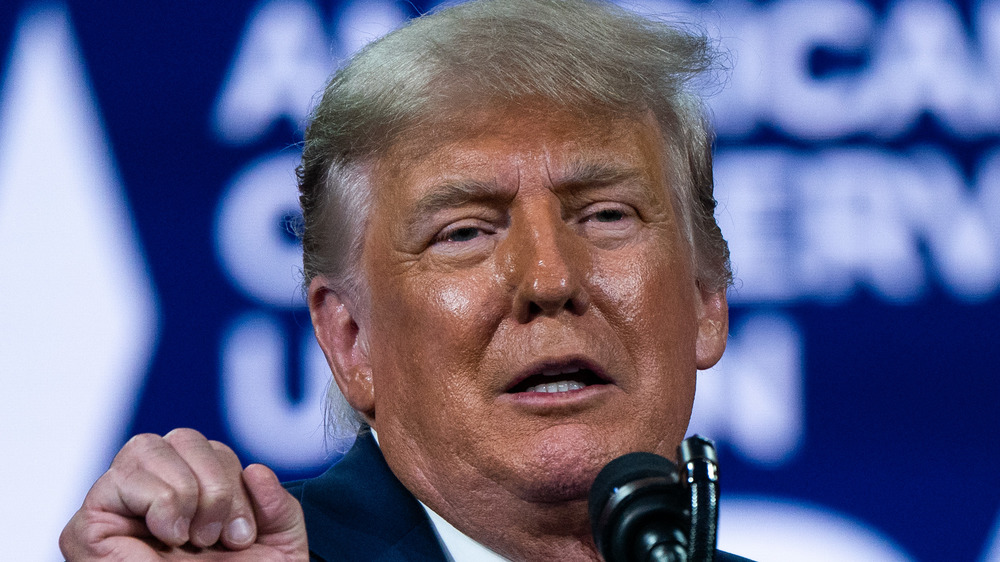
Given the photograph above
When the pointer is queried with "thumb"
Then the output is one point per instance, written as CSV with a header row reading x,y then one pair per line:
x,y
280,522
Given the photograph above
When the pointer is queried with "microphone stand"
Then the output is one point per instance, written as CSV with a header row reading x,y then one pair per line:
x,y
701,473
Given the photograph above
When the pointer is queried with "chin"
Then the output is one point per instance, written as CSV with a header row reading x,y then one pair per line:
x,y
560,465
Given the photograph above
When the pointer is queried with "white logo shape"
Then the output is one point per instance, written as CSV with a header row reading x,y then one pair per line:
x,y
781,530
77,312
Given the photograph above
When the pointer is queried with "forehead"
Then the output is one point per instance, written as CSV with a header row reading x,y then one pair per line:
x,y
503,144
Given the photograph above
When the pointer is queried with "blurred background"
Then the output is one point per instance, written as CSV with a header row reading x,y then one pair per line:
x,y
148,279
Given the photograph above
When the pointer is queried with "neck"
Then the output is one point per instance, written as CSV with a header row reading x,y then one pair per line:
x,y
514,528
530,532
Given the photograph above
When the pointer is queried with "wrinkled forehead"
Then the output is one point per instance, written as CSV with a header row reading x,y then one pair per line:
x,y
485,138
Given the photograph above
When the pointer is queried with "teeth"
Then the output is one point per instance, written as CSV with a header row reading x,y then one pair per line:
x,y
563,386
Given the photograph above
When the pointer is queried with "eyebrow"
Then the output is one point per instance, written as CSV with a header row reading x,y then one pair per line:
x,y
452,194
594,174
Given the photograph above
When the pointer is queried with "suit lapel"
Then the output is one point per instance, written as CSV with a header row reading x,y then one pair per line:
x,y
358,510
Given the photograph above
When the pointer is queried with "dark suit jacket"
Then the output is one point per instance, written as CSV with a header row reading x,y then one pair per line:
x,y
358,511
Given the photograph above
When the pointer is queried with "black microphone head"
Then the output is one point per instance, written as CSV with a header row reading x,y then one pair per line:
x,y
621,471
629,493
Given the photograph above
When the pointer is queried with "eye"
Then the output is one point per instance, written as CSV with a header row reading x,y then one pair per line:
x,y
607,212
608,222
464,242
608,215
462,234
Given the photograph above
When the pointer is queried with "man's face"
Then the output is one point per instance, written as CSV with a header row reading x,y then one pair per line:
x,y
533,311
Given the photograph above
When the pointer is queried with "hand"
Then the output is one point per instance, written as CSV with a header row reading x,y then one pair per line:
x,y
182,496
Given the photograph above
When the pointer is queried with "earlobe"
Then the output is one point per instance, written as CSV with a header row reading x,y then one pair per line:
x,y
713,327
343,345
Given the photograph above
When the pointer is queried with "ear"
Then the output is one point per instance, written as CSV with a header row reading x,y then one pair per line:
x,y
339,336
713,326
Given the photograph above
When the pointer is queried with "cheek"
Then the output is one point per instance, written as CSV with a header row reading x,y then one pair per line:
x,y
422,314
432,334
452,301
625,289
649,303
453,315
645,294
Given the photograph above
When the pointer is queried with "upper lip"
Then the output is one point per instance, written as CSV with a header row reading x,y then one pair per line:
x,y
561,364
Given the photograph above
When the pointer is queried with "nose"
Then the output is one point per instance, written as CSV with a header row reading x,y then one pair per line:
x,y
547,267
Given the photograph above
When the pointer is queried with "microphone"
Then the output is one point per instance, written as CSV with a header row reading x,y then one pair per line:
x,y
642,509
636,510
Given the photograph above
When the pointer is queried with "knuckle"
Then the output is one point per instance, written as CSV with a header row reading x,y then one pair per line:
x,y
222,449
183,435
113,478
226,456
138,443
166,496
180,494
216,493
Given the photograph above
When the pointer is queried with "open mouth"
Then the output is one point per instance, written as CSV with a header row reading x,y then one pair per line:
x,y
558,380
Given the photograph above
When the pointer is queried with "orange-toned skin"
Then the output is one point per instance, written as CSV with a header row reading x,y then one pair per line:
x,y
564,249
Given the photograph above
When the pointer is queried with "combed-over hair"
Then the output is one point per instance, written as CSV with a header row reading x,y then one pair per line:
x,y
576,55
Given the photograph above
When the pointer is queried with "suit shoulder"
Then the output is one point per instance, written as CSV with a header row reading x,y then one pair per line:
x,y
295,488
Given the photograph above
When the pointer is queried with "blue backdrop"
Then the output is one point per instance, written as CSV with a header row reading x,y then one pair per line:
x,y
148,280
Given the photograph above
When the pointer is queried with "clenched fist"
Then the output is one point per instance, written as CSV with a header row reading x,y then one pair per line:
x,y
182,496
